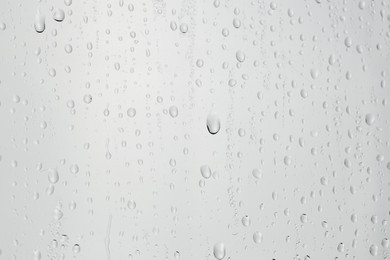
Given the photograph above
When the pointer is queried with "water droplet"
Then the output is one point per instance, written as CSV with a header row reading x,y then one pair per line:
x,y
385,243
257,237
39,23
213,124
173,111
76,248
373,250
205,171
257,173
131,204
131,112
370,119
87,99
314,73
246,221
348,42
59,15
240,56
53,176
68,48
219,250
287,160
52,72
303,218
340,247
184,28
37,255
57,214
74,168
3,26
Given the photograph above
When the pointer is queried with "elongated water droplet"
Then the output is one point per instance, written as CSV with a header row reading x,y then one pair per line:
x,y
39,23
213,124
219,250
257,237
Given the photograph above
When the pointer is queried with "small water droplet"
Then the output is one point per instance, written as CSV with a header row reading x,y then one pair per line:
x,y
240,56
131,112
53,176
59,15
184,28
256,173
373,250
131,204
76,248
205,171
257,237
370,119
173,111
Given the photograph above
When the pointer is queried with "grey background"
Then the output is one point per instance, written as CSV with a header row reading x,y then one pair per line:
x,y
297,109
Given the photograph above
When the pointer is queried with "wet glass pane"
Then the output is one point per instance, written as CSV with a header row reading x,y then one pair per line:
x,y
194,129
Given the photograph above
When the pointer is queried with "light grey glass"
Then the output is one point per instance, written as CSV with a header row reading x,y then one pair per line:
x,y
194,129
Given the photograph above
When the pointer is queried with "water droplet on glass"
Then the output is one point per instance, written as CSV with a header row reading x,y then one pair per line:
x,y
59,15
131,112
39,22
131,204
370,119
256,173
213,124
87,99
37,255
240,56
219,250
76,248
173,111
53,176
184,28
373,250
257,237
246,221
205,171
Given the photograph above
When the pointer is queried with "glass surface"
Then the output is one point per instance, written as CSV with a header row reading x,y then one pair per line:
x,y
194,129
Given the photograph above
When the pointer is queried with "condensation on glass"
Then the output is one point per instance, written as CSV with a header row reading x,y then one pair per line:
x,y
194,129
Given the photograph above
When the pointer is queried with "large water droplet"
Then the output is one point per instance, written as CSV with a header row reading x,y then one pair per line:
x,y
219,250
39,23
213,124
